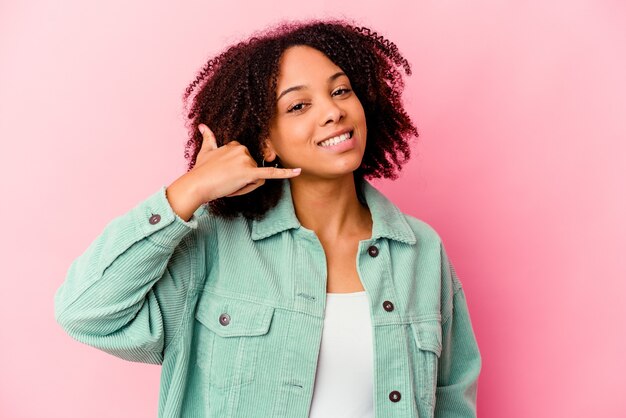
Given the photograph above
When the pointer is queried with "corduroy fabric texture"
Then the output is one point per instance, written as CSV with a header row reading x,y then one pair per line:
x,y
233,310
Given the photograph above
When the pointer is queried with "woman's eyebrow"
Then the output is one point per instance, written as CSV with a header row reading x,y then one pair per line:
x,y
331,78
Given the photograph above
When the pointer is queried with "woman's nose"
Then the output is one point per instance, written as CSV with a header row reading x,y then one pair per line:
x,y
332,112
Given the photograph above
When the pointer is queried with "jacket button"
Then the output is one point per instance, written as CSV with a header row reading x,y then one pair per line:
x,y
388,306
224,319
154,219
373,251
394,396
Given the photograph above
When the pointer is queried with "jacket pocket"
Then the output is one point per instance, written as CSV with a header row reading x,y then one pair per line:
x,y
427,335
229,333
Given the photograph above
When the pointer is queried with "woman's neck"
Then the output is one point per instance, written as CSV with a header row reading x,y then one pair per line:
x,y
330,207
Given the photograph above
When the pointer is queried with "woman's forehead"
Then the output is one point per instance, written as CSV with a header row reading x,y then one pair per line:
x,y
301,65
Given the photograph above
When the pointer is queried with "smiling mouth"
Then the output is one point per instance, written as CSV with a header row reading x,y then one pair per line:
x,y
336,140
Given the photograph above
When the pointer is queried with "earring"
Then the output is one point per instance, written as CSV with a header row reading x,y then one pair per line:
x,y
263,163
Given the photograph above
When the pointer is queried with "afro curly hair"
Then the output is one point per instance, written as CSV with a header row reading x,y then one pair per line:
x,y
236,97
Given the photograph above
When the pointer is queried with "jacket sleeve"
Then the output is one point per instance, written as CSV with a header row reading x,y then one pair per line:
x,y
119,295
460,360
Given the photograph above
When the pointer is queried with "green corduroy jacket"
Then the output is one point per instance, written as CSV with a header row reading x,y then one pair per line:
x,y
233,310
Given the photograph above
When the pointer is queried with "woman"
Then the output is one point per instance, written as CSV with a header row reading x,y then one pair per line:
x,y
253,303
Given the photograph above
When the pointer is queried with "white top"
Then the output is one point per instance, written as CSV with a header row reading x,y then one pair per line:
x,y
344,384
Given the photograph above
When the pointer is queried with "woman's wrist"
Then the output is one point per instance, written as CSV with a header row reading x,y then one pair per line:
x,y
182,197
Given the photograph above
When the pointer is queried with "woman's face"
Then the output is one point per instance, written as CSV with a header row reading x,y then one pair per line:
x,y
315,103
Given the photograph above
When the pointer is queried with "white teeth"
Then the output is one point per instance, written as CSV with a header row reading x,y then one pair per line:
x,y
335,140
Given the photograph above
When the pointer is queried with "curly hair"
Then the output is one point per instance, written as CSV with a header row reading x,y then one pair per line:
x,y
236,98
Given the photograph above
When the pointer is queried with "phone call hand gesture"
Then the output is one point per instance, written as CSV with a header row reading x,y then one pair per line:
x,y
223,171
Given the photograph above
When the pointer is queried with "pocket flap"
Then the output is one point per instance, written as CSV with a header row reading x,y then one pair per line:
x,y
245,318
428,336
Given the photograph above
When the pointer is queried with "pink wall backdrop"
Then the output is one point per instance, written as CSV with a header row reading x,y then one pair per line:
x,y
520,166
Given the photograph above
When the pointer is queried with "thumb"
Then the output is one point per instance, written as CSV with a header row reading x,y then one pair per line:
x,y
208,138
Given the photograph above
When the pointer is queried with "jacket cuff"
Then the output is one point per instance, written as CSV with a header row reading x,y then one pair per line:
x,y
158,222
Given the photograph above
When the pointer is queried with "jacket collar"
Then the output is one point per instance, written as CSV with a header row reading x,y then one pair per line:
x,y
388,220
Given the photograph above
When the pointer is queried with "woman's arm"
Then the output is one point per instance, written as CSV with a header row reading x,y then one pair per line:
x,y
119,296
460,361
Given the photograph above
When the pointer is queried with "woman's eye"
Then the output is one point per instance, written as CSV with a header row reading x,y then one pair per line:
x,y
342,90
295,108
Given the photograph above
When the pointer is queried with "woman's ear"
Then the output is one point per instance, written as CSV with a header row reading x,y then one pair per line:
x,y
269,154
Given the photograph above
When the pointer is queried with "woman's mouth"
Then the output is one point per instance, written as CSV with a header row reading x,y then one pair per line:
x,y
336,140
339,143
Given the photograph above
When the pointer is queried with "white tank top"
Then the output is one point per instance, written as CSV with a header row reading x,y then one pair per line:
x,y
344,386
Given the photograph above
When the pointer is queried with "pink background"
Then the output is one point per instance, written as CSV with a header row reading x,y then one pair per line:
x,y
520,167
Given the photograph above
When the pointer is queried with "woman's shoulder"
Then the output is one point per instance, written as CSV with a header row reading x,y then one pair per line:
x,y
423,231
387,212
